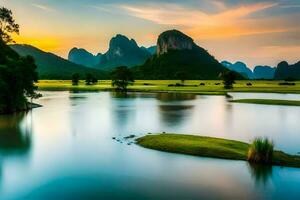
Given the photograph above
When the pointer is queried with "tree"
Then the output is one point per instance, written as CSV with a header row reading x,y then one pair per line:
x,y
17,74
229,78
75,79
121,78
181,75
7,25
90,79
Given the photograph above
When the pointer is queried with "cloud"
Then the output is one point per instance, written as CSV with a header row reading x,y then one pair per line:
x,y
173,14
43,7
229,22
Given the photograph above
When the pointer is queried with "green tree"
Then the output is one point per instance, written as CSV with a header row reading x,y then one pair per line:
x,y
121,78
75,79
90,79
182,76
7,25
228,78
17,74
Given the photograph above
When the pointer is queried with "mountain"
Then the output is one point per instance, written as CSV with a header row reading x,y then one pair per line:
x,y
264,72
286,71
177,52
123,52
239,67
83,57
51,66
152,50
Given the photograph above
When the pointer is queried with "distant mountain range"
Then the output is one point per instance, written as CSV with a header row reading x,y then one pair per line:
x,y
259,72
51,66
177,52
122,52
83,57
286,71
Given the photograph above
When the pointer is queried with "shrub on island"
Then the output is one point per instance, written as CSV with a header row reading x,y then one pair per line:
x,y
261,151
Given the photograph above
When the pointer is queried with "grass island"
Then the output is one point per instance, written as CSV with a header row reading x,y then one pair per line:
x,y
210,147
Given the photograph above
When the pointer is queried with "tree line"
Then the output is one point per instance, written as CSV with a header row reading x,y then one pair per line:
x,y
17,74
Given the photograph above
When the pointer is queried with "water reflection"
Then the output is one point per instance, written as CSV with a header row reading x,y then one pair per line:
x,y
175,114
175,96
15,133
260,173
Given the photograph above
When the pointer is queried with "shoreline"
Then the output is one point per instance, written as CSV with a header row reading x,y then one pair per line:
x,y
29,107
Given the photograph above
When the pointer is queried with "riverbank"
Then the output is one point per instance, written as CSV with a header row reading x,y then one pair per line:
x,y
27,107
214,87
268,102
210,147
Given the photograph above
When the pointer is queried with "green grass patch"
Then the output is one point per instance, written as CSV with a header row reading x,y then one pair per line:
x,y
268,102
210,147
191,86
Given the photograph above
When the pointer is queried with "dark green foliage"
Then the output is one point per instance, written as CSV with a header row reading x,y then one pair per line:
x,y
75,78
181,75
51,66
7,25
197,64
121,78
17,77
287,83
228,78
90,79
261,151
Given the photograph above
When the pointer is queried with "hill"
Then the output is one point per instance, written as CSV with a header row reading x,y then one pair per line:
x,y
177,52
83,57
239,67
286,71
264,72
123,52
51,66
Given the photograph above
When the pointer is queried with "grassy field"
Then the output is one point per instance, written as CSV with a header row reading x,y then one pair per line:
x,y
209,87
209,147
268,102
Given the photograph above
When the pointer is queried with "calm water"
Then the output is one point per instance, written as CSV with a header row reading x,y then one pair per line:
x,y
65,149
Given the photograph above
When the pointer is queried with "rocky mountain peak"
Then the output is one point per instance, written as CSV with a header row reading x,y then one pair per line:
x,y
173,40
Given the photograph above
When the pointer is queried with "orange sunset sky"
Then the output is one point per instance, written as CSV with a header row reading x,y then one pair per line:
x,y
255,32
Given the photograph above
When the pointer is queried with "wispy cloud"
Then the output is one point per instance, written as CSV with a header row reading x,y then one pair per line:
x,y
43,7
224,23
173,14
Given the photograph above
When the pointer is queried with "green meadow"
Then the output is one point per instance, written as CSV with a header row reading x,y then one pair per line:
x,y
195,86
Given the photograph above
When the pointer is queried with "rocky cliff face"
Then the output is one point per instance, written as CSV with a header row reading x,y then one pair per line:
x,y
173,40
123,51
177,53
83,57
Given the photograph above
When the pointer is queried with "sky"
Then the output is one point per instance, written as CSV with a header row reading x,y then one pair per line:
x,y
253,31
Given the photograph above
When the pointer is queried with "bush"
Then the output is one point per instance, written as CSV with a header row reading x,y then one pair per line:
x,y
249,84
287,83
176,85
202,84
261,151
